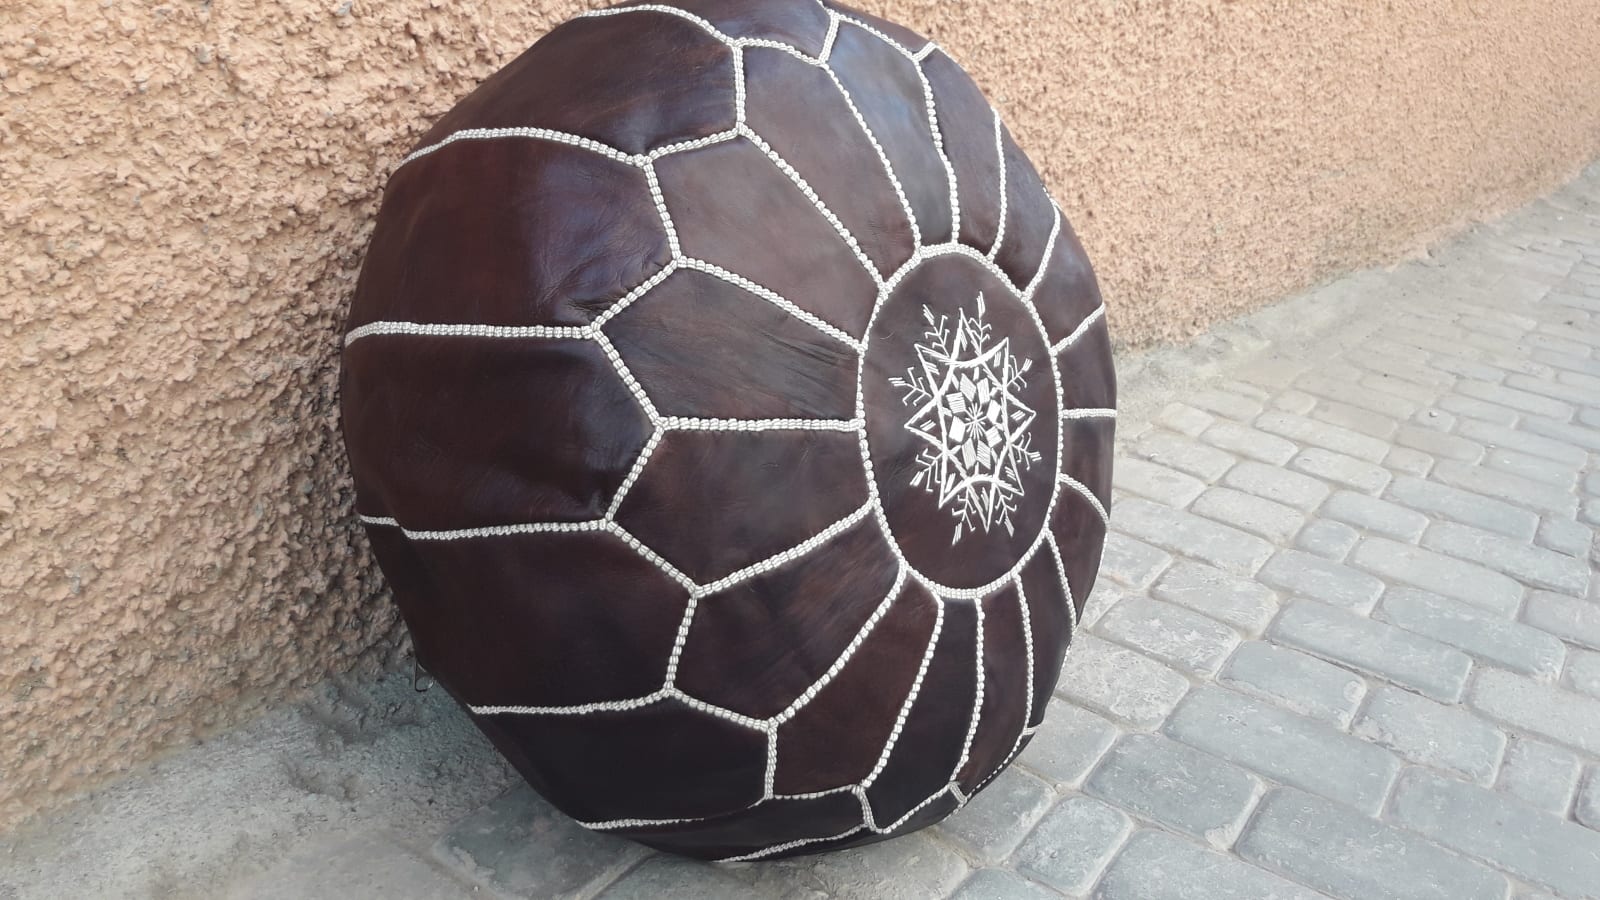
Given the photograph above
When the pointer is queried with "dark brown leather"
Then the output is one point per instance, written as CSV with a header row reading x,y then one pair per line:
x,y
884,600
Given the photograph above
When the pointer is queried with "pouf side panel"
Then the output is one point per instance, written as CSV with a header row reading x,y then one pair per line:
x,y
452,433
756,647
555,234
1007,693
587,78
805,117
837,737
904,37
1068,296
968,126
1050,618
1030,216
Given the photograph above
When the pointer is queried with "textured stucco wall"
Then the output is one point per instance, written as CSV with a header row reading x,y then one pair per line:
x,y
186,189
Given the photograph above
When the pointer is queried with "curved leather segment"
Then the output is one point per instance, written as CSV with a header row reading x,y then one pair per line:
x,y
742,528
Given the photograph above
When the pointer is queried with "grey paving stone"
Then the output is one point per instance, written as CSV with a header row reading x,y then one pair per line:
x,y
1591,484
1431,734
1297,402
1486,635
1185,419
1227,403
1353,857
1577,621
1329,437
1281,485
1155,482
1160,866
1072,844
1572,435
1540,775
1191,535
1177,786
1464,506
1376,516
518,844
1002,884
1250,443
1590,511
1117,682
912,867
1184,454
1406,461
1588,808
1533,468
1553,713
1505,831
679,878
1173,634
1518,491
1441,574
1257,515
1296,681
1311,576
1533,565
1501,436
1583,672
995,821
1341,469
1068,745
1355,419
1519,400
1328,539
368,866
1566,537
1131,562
1438,443
1106,594
1400,656
1293,749
1472,408
1346,391
1240,602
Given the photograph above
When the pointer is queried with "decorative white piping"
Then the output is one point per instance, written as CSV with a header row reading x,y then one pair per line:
x,y
695,703
628,381
1088,495
810,194
977,700
1000,155
883,155
879,35
813,795
691,144
912,811
937,136
911,699
829,39
1087,412
1066,585
430,329
615,824
816,687
634,295
459,534
926,51
541,134
780,848
686,423
1078,332
578,710
704,25
660,200
738,86
1044,264
795,552
772,297
637,470
654,558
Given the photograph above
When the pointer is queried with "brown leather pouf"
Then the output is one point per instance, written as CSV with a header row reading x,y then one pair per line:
x,y
731,411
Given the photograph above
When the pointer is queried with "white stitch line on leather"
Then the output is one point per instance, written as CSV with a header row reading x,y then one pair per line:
x,y
1083,491
660,200
867,817
1044,264
772,297
578,710
798,550
738,85
542,134
830,37
816,687
460,534
684,14
1027,695
1000,155
634,472
691,144
652,557
1066,586
1083,327
926,51
911,699
883,155
790,845
628,381
769,775
1089,412
680,639
711,709
430,329
954,788
812,795
810,193
913,811
688,423
614,824
977,700
634,295
934,132
769,44
880,36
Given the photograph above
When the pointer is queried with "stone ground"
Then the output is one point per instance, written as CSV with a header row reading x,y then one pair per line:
x,y
1346,644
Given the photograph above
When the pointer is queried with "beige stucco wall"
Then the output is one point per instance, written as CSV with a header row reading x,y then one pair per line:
x,y
186,190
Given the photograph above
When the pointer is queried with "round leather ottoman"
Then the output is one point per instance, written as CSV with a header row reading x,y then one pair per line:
x,y
730,411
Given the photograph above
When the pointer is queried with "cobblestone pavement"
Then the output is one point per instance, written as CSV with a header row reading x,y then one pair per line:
x,y
1346,644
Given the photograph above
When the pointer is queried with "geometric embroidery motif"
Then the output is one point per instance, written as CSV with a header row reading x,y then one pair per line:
x,y
970,414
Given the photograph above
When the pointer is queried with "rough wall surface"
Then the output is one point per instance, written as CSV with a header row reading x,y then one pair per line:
x,y
186,190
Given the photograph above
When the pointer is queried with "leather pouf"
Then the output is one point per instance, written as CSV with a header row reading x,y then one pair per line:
x,y
731,412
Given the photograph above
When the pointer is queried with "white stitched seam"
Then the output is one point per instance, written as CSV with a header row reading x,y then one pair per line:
x,y
816,687
691,144
1000,154
1044,264
542,134
689,423
1027,695
660,200
1083,327
635,471
634,295
773,297
801,549
1066,586
810,193
883,155
926,51
628,381
812,795
911,699
458,534
432,329
738,86
789,845
577,710
886,829
1088,495
977,700
1088,412
830,37
937,135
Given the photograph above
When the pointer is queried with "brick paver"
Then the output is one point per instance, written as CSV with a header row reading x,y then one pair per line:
x,y
1347,641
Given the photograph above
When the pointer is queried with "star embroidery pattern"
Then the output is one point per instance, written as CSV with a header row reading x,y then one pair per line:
x,y
965,390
